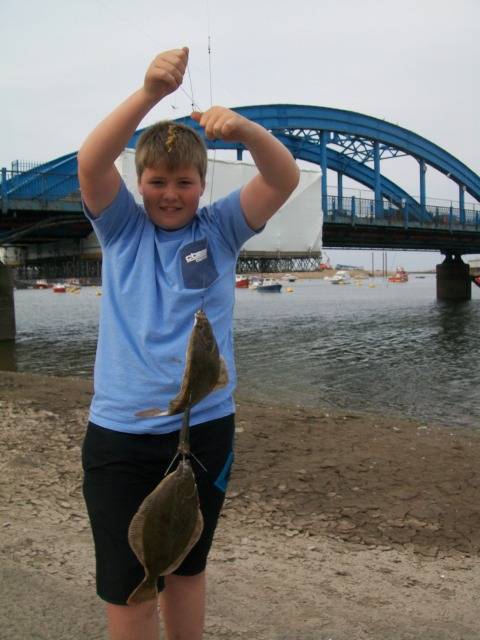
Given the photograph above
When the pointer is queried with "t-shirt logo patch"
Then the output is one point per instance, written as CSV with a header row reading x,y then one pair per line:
x,y
198,268
196,256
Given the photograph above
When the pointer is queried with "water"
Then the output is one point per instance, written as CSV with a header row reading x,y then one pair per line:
x,y
391,349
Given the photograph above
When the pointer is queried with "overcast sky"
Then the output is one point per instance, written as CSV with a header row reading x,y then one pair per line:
x,y
64,65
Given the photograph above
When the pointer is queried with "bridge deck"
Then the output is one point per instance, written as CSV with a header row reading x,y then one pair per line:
x,y
356,225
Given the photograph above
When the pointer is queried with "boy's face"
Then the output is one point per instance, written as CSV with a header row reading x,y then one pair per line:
x,y
170,197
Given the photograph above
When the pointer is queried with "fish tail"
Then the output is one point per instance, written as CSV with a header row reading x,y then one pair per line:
x,y
146,590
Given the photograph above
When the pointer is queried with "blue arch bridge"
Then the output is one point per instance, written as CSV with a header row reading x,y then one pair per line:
x,y
41,205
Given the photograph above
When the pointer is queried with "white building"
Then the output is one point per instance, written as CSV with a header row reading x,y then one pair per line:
x,y
295,230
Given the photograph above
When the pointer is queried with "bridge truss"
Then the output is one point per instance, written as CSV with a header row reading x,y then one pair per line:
x,y
43,204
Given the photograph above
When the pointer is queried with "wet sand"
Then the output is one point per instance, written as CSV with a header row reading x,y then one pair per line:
x,y
336,525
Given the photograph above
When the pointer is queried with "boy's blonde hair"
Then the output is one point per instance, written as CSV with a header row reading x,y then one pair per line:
x,y
175,145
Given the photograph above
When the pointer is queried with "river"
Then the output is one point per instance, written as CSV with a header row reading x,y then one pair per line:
x,y
389,349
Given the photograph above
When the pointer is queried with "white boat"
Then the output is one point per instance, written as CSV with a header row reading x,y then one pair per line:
x,y
289,277
41,284
255,281
341,277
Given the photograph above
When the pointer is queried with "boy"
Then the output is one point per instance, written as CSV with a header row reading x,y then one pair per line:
x,y
162,262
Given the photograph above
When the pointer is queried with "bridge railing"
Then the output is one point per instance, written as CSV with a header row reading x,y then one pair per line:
x,y
36,185
363,211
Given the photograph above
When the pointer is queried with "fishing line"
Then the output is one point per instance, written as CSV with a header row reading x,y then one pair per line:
x,y
149,37
191,87
195,105
210,75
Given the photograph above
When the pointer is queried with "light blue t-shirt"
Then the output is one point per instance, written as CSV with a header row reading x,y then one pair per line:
x,y
153,282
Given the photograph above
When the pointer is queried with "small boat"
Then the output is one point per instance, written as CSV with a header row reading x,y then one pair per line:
x,y
59,288
400,276
255,281
241,282
341,277
42,284
289,277
269,286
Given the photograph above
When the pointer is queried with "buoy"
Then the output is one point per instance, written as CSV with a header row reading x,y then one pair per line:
x,y
289,290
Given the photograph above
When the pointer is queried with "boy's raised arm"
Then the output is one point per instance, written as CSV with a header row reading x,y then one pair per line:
x,y
98,176
278,172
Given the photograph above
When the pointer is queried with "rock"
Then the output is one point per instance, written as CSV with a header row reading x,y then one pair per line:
x,y
346,525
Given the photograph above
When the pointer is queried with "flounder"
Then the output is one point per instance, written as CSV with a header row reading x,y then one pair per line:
x,y
205,370
167,524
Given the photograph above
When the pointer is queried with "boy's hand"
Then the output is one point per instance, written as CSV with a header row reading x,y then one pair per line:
x,y
165,73
221,123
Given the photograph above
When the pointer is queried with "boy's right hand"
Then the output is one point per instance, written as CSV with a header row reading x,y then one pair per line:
x,y
165,73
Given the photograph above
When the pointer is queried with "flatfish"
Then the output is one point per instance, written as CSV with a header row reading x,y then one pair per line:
x,y
205,370
167,524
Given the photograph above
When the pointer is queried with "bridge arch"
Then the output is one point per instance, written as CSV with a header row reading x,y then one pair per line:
x,y
337,139
309,130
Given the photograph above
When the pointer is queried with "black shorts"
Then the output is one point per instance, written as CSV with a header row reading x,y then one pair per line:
x,y
121,469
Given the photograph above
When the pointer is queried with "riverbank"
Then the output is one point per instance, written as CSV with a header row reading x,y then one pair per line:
x,y
336,525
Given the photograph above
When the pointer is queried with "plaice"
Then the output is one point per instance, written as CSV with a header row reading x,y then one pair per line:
x,y
167,524
205,370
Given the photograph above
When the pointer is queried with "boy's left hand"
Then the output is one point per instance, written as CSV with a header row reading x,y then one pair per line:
x,y
221,123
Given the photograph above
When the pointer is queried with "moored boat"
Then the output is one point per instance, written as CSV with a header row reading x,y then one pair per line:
x,y
73,289
400,276
254,282
41,284
59,288
269,286
341,277
241,282
289,277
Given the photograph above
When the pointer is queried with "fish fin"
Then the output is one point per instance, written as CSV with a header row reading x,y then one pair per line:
x,y
151,413
222,376
145,591
135,534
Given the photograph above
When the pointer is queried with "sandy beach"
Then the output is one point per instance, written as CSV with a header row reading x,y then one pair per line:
x,y
337,526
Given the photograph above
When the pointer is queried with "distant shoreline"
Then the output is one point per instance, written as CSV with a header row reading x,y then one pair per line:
x,y
301,275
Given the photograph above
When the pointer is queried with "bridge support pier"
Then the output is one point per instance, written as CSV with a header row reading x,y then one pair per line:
x,y
453,279
7,307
